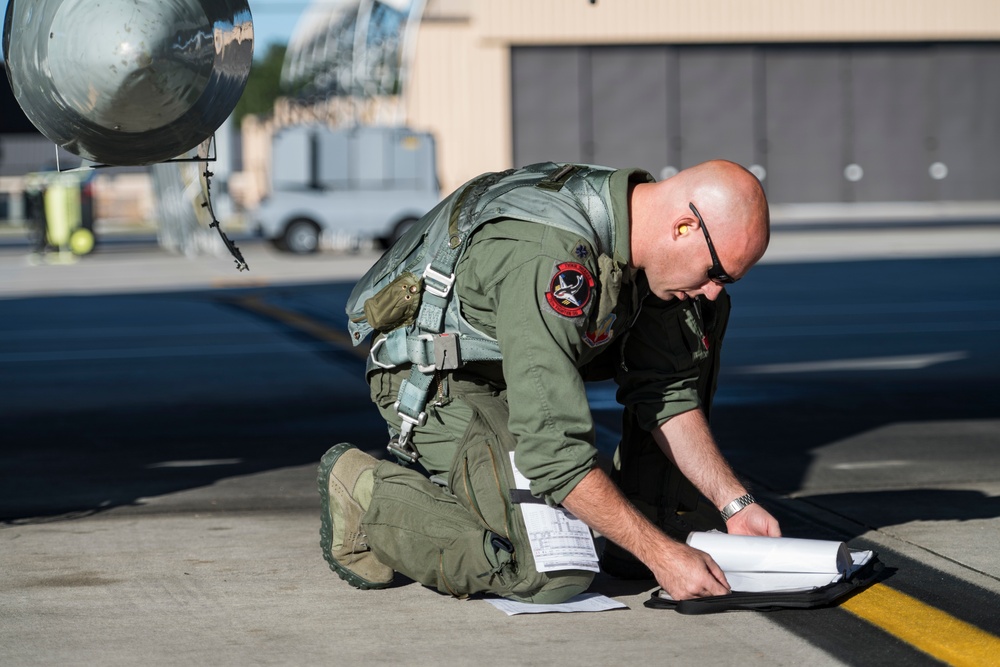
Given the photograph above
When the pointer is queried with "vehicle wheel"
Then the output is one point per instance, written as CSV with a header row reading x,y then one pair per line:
x,y
400,229
301,237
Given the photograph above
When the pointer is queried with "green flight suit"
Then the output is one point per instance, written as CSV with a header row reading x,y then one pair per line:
x,y
562,315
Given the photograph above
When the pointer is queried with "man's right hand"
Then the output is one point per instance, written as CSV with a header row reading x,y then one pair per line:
x,y
685,572
682,571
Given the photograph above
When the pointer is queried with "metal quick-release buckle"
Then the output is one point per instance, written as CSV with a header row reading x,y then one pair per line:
x,y
445,348
408,421
402,446
447,281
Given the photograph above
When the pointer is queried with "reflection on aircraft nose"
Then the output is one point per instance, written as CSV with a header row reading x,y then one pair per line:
x,y
133,82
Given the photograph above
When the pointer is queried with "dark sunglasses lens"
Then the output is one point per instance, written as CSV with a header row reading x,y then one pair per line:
x,y
717,274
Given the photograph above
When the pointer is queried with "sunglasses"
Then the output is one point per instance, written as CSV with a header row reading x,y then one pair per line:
x,y
716,273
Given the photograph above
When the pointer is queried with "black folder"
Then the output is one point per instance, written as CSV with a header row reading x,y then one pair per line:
x,y
823,596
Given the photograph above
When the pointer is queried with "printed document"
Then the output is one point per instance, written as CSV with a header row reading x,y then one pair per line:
x,y
559,541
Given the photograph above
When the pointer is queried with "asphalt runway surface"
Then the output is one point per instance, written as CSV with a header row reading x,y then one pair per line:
x,y
859,396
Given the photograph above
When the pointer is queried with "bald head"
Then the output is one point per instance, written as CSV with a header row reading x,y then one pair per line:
x,y
733,207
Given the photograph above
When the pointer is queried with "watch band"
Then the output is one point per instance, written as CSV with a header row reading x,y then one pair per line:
x,y
732,508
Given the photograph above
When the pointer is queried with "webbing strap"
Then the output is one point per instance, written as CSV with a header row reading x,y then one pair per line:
x,y
439,279
412,398
595,207
394,349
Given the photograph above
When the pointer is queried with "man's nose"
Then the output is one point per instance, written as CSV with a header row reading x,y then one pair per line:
x,y
712,290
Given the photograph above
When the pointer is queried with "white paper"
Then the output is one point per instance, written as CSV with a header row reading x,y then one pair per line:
x,y
778,564
779,582
582,602
745,553
559,541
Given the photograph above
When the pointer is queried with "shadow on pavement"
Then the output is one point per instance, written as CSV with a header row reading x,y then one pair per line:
x,y
80,463
59,461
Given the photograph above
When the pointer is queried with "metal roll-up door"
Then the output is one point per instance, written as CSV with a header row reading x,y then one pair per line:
x,y
806,129
893,133
967,95
632,123
547,109
717,115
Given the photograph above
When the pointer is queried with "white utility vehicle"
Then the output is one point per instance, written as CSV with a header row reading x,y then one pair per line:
x,y
343,187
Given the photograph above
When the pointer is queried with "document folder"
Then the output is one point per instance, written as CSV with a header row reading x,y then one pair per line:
x,y
767,573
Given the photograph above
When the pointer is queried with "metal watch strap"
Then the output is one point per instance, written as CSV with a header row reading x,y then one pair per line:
x,y
732,508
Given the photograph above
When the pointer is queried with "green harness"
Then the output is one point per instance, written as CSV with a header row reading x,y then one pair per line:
x,y
408,295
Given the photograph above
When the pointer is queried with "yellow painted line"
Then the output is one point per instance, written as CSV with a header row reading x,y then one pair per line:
x,y
931,630
302,323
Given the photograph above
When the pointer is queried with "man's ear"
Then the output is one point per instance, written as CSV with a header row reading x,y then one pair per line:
x,y
681,227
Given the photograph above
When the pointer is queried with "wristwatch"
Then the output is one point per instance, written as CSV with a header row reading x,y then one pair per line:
x,y
732,508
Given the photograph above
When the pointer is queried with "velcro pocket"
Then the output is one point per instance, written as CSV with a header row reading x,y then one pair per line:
x,y
396,304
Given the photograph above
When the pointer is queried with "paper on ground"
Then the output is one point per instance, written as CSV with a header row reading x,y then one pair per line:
x,y
582,602
778,564
559,541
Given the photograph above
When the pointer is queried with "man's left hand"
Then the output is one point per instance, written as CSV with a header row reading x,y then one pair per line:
x,y
753,520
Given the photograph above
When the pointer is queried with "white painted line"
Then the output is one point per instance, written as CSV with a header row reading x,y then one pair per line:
x,y
911,362
871,465
861,329
282,347
197,463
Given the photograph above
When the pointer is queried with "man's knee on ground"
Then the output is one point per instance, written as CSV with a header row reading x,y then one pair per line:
x,y
558,588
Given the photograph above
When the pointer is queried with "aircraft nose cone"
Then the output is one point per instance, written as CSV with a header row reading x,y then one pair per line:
x,y
128,82
131,67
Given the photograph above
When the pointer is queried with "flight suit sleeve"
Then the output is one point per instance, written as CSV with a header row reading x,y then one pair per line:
x,y
540,329
661,361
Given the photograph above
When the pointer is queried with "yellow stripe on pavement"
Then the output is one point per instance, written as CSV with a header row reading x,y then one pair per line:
x,y
302,323
931,630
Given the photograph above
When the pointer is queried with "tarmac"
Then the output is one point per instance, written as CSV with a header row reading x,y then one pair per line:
x,y
230,573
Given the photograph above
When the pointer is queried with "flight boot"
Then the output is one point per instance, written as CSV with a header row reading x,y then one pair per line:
x,y
345,481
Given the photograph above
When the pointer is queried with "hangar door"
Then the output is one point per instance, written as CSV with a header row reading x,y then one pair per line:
x,y
658,108
818,123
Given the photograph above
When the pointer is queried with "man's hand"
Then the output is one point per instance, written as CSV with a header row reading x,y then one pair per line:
x,y
688,442
682,571
753,520
687,573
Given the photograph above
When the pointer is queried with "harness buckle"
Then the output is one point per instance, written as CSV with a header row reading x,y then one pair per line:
x,y
426,368
401,446
438,277
445,351
403,451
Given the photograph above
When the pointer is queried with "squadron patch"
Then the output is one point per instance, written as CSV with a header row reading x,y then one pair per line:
x,y
570,289
602,333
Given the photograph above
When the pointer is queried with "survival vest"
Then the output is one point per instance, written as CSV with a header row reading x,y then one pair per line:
x,y
408,296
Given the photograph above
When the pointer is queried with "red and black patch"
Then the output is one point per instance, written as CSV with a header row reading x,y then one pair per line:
x,y
570,289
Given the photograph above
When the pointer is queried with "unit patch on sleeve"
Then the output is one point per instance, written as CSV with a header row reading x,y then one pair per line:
x,y
570,289
602,333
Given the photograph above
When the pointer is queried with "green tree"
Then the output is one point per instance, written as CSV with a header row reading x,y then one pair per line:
x,y
263,85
